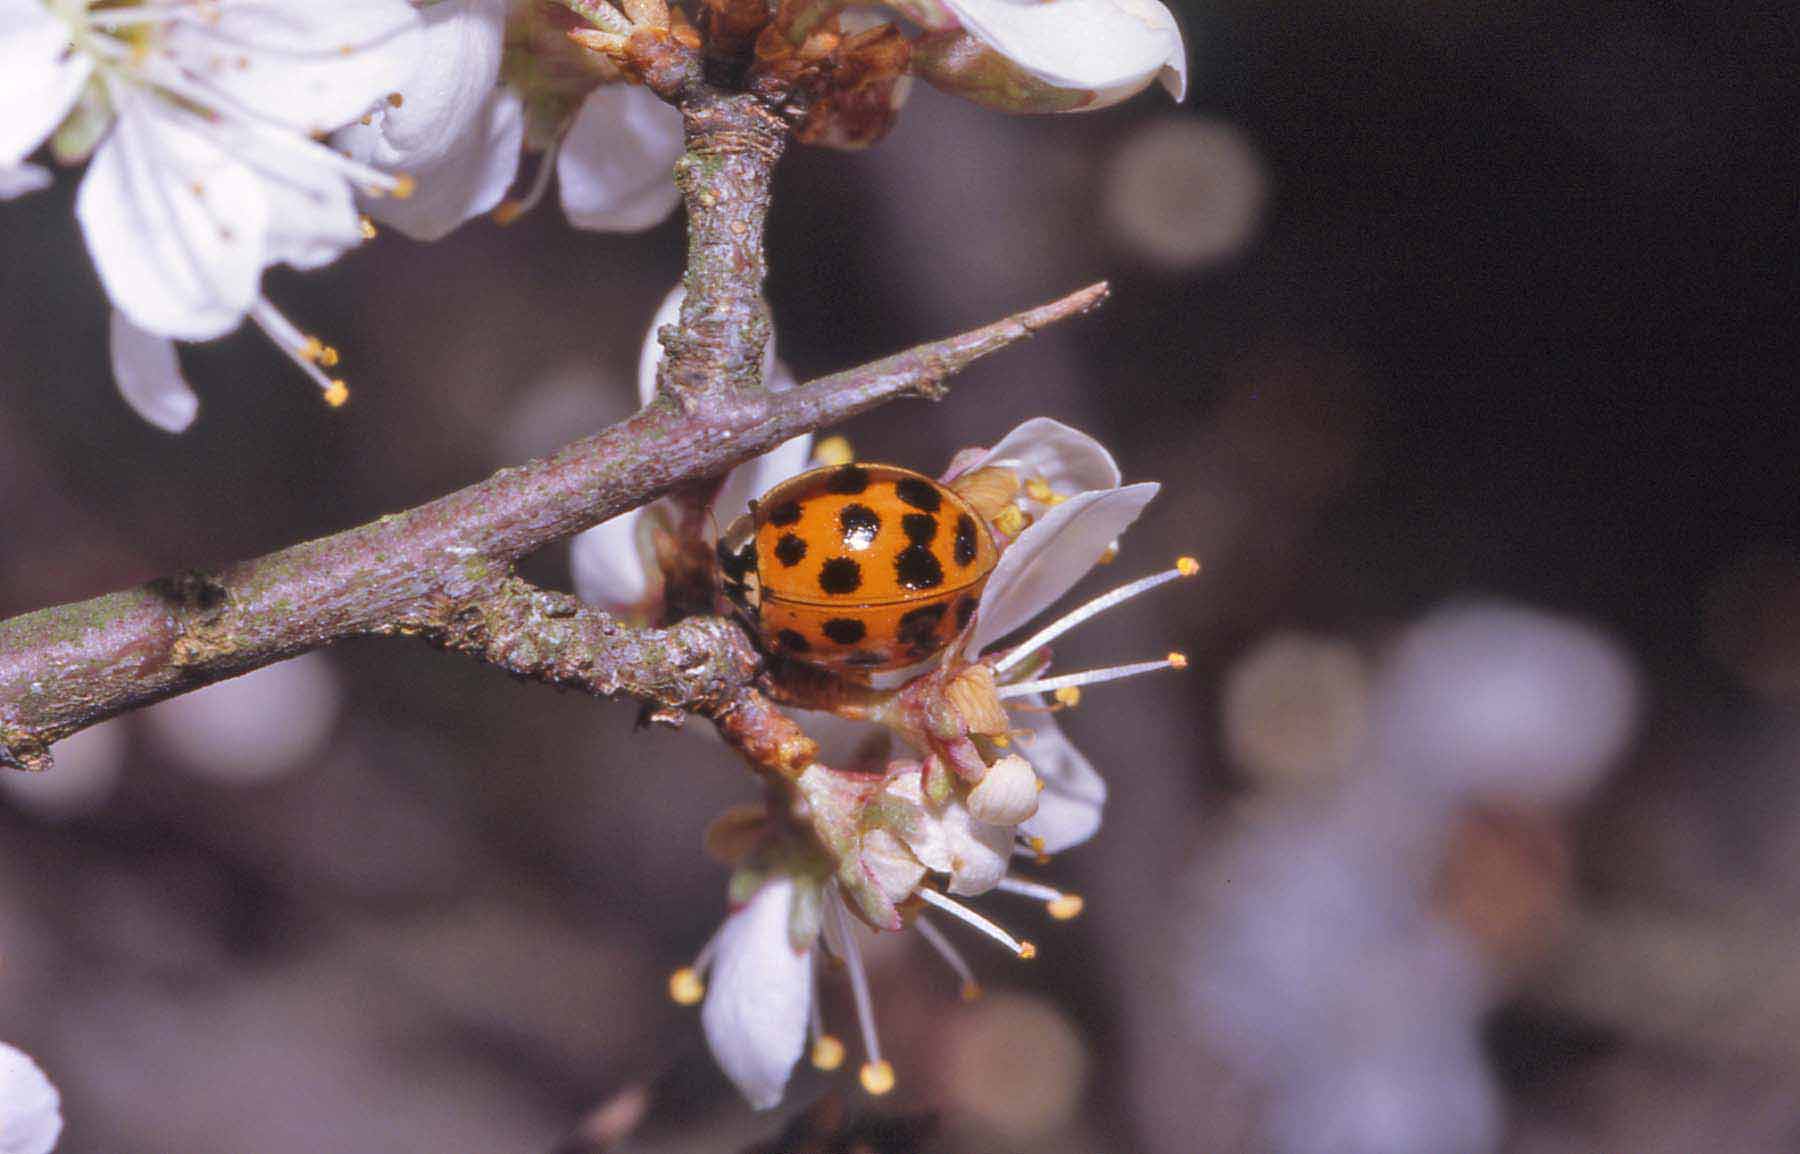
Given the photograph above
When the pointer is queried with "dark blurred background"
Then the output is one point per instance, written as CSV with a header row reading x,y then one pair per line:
x,y
1461,338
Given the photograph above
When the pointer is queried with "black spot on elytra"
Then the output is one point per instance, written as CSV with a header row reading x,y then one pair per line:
x,y
785,514
920,494
848,480
917,568
840,575
966,546
790,550
791,641
860,524
918,629
865,658
965,609
919,528
845,630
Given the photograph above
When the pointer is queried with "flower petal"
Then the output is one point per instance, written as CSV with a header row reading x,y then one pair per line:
x,y
177,228
30,1108
616,167
313,65
1051,555
149,376
758,475
19,179
39,78
455,131
611,567
759,995
1112,48
1067,459
1069,808
1007,794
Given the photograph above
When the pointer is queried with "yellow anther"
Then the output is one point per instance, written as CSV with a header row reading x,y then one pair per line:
x,y
1069,696
1187,566
1039,489
685,987
313,350
1027,951
833,451
1111,555
1011,521
328,356
1177,660
972,991
827,1052
1066,907
508,211
336,394
877,1077
1000,739
395,100
369,231
404,186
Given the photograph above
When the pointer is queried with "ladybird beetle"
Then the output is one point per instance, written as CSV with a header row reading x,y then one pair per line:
x,y
858,568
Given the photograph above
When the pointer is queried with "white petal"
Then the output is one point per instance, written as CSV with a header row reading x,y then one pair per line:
x,y
1051,555
1007,794
456,132
20,179
149,376
1067,459
1113,48
651,353
609,566
30,1108
1069,807
758,996
39,78
312,210
314,65
893,867
758,475
617,165
176,227
979,852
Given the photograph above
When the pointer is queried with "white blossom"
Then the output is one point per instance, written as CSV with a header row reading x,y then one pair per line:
x,y
1111,48
208,172
759,995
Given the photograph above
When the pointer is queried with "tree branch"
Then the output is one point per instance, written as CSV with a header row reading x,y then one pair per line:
x,y
443,571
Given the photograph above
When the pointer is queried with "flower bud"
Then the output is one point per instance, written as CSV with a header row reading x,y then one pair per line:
x,y
1007,795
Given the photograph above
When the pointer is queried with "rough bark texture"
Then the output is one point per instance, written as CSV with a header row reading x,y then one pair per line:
x,y
443,571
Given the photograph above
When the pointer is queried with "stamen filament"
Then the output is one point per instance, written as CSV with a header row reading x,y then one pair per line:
x,y
875,1072
827,1049
1060,905
934,937
1090,676
510,210
969,917
1185,567
306,352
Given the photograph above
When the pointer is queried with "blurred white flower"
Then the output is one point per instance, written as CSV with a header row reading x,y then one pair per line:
x,y
1185,192
1505,703
252,728
1082,54
462,131
30,1108
86,773
209,171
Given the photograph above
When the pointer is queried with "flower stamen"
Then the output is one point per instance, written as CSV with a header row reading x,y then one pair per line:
x,y
510,209
934,937
876,1075
967,916
1058,904
305,350
1184,567
1091,676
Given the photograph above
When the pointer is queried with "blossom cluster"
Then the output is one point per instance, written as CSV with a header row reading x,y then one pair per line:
x,y
223,138
926,794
